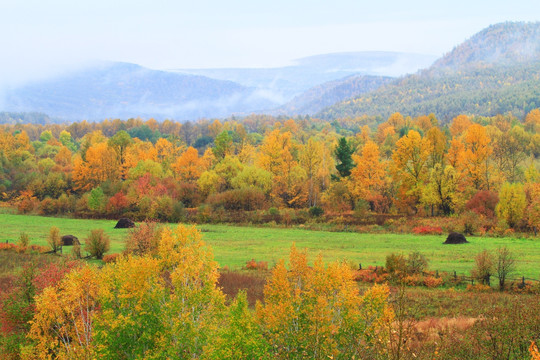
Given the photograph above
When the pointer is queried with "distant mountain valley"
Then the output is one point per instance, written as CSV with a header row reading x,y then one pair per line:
x,y
496,71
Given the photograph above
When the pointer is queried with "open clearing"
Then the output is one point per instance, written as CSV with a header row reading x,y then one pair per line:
x,y
234,245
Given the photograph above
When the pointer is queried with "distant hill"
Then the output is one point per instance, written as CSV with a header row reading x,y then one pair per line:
x,y
127,90
321,96
283,83
507,43
496,71
26,118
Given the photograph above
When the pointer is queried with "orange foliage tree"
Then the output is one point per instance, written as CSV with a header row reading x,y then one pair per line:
x,y
187,166
368,174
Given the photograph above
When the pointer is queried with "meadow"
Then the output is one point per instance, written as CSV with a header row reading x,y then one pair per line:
x,y
234,245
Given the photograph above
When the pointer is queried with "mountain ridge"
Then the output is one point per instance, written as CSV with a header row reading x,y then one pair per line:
x,y
468,79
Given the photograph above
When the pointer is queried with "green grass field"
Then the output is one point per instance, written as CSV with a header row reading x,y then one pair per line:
x,y
234,245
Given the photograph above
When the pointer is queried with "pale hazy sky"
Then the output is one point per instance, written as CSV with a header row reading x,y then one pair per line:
x,y
39,37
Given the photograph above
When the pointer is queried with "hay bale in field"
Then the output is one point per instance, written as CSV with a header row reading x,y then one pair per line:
x,y
455,238
124,223
70,240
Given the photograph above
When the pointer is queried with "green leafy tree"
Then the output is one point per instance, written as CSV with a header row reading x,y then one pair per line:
x,y
96,200
223,144
132,290
66,140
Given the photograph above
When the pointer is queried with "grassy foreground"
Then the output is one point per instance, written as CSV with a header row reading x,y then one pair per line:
x,y
234,245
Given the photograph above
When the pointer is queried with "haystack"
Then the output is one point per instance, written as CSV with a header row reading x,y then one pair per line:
x,y
124,223
70,240
455,238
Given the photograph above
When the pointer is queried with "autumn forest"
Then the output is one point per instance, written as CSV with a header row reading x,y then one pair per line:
x,y
171,171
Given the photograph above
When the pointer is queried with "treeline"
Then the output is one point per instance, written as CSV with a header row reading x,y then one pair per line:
x,y
404,165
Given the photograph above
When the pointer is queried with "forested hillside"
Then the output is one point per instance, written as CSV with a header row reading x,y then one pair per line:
x,y
484,90
497,71
319,97
504,44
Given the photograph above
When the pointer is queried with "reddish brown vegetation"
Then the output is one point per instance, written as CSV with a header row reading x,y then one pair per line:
x,y
231,282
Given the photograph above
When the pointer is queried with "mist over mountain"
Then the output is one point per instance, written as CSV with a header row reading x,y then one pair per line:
x,y
495,71
126,90
122,90
289,81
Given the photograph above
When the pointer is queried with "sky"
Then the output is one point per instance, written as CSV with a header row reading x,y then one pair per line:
x,y
42,38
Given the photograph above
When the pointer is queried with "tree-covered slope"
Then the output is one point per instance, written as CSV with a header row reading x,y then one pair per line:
x,y
319,97
496,71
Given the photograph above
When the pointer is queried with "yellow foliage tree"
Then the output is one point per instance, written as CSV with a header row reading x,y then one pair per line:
x,y
101,165
474,160
512,203
410,163
317,312
131,294
276,156
63,324
191,314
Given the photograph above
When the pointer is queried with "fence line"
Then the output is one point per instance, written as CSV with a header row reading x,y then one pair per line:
x,y
466,278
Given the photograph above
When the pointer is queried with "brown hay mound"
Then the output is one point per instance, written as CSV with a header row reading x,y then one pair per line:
x,y
124,223
455,238
70,240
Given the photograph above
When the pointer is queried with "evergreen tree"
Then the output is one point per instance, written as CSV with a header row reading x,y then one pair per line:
x,y
343,154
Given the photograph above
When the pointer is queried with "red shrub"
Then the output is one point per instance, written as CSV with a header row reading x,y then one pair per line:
x,y
413,280
371,275
7,246
256,265
52,273
117,203
428,230
433,282
381,204
483,203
